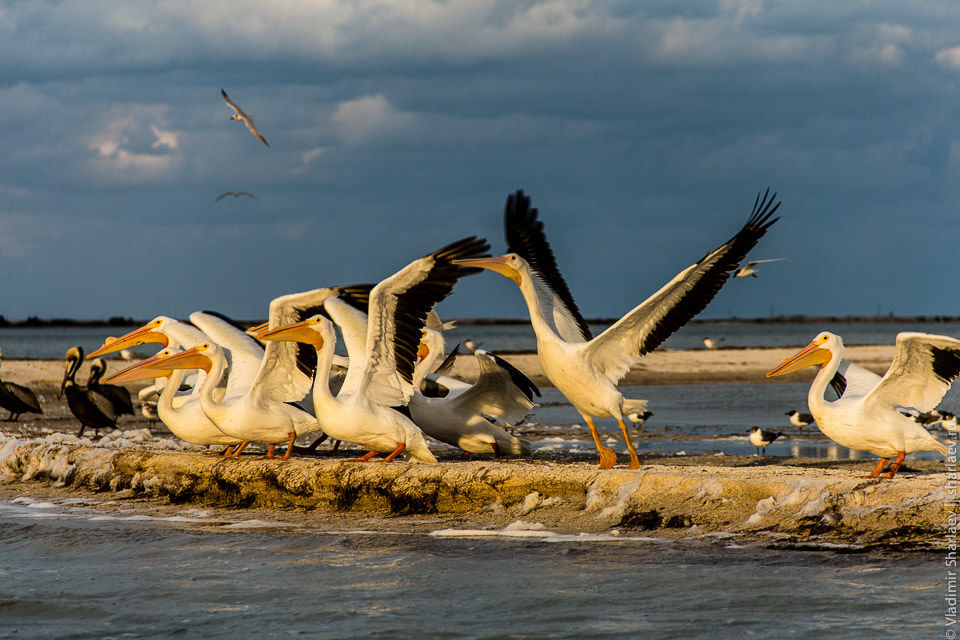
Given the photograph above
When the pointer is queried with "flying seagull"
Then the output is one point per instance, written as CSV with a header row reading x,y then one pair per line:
x,y
751,268
235,194
241,115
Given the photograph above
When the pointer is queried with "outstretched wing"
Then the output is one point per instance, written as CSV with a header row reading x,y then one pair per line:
x,y
398,311
526,238
654,320
921,372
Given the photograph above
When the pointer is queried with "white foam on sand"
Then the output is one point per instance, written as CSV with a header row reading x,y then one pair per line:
x,y
538,531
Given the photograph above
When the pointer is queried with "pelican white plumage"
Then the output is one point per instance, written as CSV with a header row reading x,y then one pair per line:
x,y
868,414
585,369
364,413
241,115
186,421
465,417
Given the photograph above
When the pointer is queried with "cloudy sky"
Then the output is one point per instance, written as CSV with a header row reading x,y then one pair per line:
x,y
642,131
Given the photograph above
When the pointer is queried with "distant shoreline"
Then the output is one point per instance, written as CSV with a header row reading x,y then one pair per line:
x,y
34,322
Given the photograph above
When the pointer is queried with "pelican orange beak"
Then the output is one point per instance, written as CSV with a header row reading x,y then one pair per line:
x,y
297,332
808,356
143,370
423,351
143,335
193,358
253,331
493,264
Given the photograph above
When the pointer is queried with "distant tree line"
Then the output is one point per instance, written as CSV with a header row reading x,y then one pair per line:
x,y
34,321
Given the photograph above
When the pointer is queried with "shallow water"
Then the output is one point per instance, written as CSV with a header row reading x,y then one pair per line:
x,y
68,571
53,342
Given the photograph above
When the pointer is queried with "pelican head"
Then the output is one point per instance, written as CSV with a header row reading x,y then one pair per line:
x,y
818,352
510,265
150,332
71,362
307,332
198,357
149,368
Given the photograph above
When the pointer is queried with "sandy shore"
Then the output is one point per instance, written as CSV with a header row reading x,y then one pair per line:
x,y
664,366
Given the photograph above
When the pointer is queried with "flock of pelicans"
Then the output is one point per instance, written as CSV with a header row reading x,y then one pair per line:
x,y
216,384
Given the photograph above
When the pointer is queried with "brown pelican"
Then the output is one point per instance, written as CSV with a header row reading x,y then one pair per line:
x,y
119,396
91,408
18,399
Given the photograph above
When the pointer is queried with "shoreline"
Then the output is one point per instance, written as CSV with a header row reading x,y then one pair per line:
x,y
791,501
663,366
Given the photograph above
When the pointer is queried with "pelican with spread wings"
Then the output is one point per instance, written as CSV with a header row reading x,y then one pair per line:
x,y
586,369
872,413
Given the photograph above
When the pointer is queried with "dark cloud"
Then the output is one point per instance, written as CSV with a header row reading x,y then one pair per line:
x,y
642,132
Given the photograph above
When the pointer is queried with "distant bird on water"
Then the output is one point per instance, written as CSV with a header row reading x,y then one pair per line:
x,y
761,438
18,399
868,414
586,369
235,194
712,343
91,408
751,268
119,396
798,419
243,117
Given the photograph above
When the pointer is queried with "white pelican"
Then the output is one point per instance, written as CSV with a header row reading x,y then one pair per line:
x,y
712,343
18,399
261,414
235,194
584,369
245,354
92,409
750,269
798,419
465,418
362,412
186,421
867,416
240,115
760,438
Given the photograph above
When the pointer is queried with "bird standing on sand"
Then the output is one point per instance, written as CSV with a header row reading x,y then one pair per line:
x,y
91,408
239,114
235,194
798,419
119,396
751,268
363,412
760,438
867,415
18,399
585,369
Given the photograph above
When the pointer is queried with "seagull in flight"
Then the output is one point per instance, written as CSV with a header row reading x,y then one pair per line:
x,y
235,194
242,116
751,268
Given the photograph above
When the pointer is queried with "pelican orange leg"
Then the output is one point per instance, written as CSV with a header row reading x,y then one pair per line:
x,y
365,457
634,460
607,457
896,464
395,453
879,469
